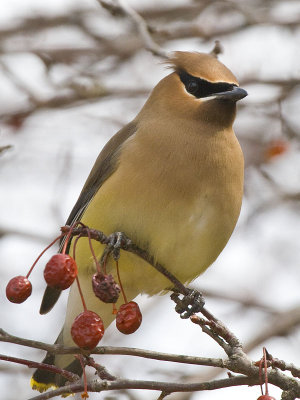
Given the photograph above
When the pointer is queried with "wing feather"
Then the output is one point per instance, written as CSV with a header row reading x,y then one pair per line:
x,y
103,168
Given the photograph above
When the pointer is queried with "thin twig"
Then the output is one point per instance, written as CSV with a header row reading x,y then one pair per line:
x,y
32,364
141,25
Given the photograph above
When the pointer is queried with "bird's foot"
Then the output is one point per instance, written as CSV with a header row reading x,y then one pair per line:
x,y
115,242
189,304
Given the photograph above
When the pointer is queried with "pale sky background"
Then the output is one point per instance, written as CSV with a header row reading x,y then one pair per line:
x,y
261,260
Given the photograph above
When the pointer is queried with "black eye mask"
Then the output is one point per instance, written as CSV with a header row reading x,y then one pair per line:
x,y
201,88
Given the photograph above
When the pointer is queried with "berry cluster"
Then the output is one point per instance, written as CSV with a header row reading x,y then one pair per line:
x,y
60,272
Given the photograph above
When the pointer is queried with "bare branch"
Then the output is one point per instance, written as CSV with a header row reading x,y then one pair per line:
x,y
3,149
149,385
278,325
73,98
141,25
112,350
32,364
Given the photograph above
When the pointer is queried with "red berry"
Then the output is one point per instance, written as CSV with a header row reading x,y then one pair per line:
x,y
105,288
266,397
87,330
60,271
275,148
129,318
18,289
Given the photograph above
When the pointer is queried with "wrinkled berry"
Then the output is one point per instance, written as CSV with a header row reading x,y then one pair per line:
x,y
87,330
18,289
129,318
60,271
105,288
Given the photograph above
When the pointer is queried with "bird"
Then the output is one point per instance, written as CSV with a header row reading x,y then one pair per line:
x,y
171,180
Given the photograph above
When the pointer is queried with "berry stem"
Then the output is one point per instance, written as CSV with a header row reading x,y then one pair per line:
x,y
93,253
81,294
266,372
69,235
48,247
84,395
75,244
260,376
114,311
263,364
120,283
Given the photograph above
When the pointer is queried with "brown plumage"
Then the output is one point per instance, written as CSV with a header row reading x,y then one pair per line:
x,y
172,180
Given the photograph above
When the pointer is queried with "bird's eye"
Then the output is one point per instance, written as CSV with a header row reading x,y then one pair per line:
x,y
192,87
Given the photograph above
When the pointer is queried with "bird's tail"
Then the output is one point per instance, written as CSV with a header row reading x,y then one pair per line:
x,y
43,379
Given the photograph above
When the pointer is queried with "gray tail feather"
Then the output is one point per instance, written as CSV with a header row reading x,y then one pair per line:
x,y
42,379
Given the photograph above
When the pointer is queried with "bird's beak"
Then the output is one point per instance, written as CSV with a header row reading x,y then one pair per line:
x,y
233,95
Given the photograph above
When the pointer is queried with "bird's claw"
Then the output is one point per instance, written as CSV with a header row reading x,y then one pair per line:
x,y
189,304
116,242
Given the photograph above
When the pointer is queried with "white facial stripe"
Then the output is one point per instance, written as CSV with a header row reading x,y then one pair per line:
x,y
208,98
201,98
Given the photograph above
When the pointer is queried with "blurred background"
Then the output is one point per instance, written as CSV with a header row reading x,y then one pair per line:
x,y
71,74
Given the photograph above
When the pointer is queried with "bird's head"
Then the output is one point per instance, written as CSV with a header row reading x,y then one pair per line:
x,y
199,88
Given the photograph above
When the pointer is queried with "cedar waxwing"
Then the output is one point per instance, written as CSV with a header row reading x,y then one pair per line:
x,y
171,180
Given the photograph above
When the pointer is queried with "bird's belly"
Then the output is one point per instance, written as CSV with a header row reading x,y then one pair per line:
x,y
184,236
192,241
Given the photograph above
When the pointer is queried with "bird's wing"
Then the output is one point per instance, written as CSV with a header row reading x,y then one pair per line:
x,y
104,166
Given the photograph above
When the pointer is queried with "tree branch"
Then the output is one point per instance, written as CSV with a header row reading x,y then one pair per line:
x,y
149,385
32,364
113,350
142,27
